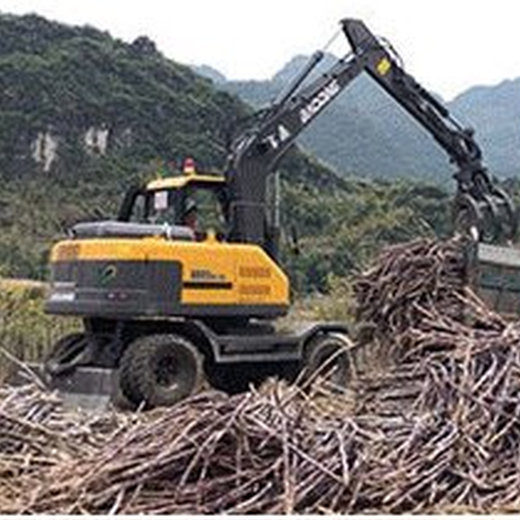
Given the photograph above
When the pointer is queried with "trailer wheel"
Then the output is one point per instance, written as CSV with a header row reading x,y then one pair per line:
x,y
160,370
66,354
328,358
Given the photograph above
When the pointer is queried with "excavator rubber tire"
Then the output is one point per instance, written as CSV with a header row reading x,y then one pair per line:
x,y
327,358
160,370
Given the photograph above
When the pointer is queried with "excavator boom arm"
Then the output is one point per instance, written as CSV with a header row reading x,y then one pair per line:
x,y
256,152
481,207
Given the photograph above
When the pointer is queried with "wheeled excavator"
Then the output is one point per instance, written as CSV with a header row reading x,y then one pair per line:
x,y
166,307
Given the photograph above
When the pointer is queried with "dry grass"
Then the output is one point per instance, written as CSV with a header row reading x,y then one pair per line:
x,y
26,332
336,306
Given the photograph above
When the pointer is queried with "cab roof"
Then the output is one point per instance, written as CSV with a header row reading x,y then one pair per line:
x,y
183,180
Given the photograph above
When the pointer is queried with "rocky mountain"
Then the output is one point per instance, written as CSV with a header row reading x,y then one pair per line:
x,y
365,133
74,98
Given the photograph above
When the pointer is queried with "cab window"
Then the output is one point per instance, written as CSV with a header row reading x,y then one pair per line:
x,y
198,207
208,209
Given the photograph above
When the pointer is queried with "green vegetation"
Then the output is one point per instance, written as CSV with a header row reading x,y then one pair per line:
x,y
67,80
339,232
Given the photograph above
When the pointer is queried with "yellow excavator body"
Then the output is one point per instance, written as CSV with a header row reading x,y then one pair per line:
x,y
209,276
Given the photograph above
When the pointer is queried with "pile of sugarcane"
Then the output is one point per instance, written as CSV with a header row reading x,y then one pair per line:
x,y
449,358
38,432
253,453
416,287
250,453
434,426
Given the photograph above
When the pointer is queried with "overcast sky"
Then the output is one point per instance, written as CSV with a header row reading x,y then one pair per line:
x,y
448,45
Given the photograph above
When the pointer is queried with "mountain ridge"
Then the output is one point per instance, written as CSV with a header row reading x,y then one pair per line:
x,y
365,132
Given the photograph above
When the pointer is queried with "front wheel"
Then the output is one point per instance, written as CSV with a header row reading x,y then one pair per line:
x,y
160,370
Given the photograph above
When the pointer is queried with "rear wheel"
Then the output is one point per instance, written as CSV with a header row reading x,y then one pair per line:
x,y
327,359
160,370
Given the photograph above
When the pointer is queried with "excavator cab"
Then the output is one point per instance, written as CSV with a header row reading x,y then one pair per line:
x,y
191,203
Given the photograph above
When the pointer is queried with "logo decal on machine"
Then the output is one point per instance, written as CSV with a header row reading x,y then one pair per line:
x,y
384,66
107,274
319,101
206,279
278,137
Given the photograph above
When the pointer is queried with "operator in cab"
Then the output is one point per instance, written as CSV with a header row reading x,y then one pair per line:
x,y
190,217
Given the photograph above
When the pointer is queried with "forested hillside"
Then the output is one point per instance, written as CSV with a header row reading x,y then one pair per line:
x,y
495,112
72,95
82,115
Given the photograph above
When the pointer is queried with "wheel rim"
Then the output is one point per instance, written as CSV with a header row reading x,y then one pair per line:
x,y
331,365
167,373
